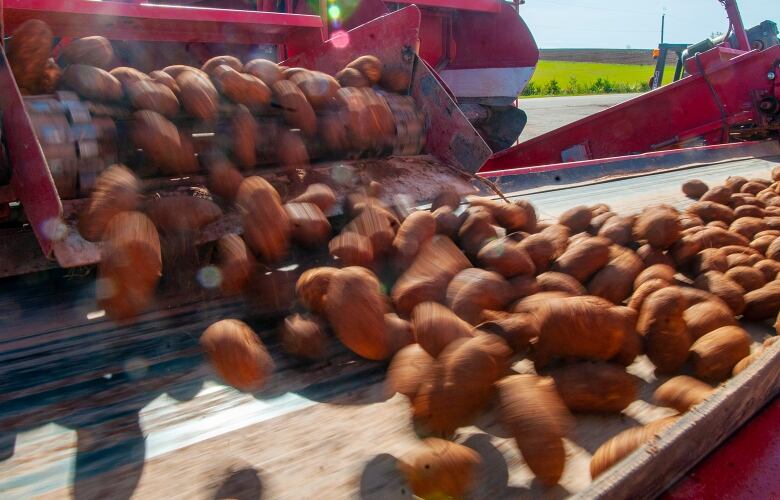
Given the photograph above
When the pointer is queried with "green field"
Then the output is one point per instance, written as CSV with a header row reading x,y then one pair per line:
x,y
573,78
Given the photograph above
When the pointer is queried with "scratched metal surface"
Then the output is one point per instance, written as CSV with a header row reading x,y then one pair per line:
x,y
89,409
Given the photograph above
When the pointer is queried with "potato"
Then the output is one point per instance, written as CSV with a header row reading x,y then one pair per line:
x,y
147,94
748,211
618,229
460,385
764,302
576,219
177,69
210,66
710,259
752,187
237,354
182,213
224,179
517,330
770,269
244,129
28,49
773,250
198,96
715,354
355,307
710,211
473,290
126,75
90,50
242,88
584,259
435,327
688,221
559,282
415,230
659,226
165,79
352,249
542,249
652,256
582,327
511,216
625,443
236,264
130,266
506,258
476,231
267,227
296,109
309,225
682,392
729,291
532,304
615,281
159,139
749,278
735,182
531,410
92,83
369,66
319,194
694,188
303,337
718,194
117,189
267,71
319,88
656,271
440,468
437,262
599,209
749,360
350,77
374,223
748,226
311,287
663,328
644,291
598,221
595,387
407,371
631,347
707,316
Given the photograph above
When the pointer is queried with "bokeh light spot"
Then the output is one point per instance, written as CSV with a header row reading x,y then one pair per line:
x,y
340,39
334,12
54,229
209,277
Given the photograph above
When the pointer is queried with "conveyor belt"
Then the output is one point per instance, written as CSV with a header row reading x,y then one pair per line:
x,y
103,406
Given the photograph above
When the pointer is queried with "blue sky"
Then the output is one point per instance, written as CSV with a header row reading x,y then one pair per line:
x,y
635,23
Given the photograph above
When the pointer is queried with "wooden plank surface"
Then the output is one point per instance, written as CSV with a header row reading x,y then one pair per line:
x,y
89,409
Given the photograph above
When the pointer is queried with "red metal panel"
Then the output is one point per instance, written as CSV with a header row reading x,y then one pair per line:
x,y
747,466
666,118
472,5
434,33
125,21
30,179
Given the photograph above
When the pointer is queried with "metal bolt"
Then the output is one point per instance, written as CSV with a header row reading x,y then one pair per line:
x,y
771,75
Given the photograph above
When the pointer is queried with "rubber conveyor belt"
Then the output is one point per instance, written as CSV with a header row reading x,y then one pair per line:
x,y
97,410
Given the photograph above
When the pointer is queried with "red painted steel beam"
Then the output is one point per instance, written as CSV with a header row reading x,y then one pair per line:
x,y
147,22
475,5
746,466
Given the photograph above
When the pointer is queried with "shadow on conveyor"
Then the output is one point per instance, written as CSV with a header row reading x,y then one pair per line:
x,y
95,377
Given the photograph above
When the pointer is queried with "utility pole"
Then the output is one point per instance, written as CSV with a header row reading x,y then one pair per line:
x,y
663,23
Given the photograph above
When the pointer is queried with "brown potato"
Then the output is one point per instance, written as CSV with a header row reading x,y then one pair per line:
x,y
126,75
559,282
90,50
319,88
410,367
159,139
511,216
473,290
710,259
244,137
438,467
177,69
147,94
312,286
210,66
584,259
309,225
374,223
198,96
764,302
644,291
715,354
28,49
224,179
615,281
369,66
130,266
595,387
182,213
352,249
657,271
748,211
92,83
531,410
652,256
694,188
476,231
517,330
748,226
355,307
632,341
576,219
618,229
267,71
237,354
296,109
623,444
437,262
506,258
710,211
303,337
242,88
165,79
435,327
266,225
663,328
682,392
236,264
770,269
728,290
350,77
718,194
319,194
117,189
395,79
659,226
707,316
415,230
749,278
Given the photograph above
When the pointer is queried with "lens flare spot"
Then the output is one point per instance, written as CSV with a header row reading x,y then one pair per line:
x,y
54,229
136,367
340,39
334,12
209,277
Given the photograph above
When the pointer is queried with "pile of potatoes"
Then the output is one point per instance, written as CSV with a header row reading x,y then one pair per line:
x,y
260,112
453,298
